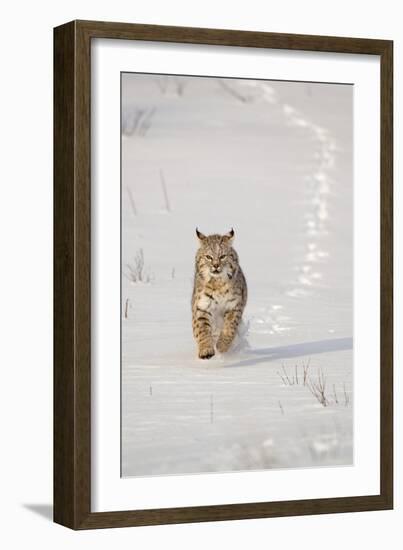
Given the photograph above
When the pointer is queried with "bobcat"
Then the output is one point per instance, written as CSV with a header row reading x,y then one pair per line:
x,y
219,294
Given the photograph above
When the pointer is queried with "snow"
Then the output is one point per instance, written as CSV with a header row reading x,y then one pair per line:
x,y
274,161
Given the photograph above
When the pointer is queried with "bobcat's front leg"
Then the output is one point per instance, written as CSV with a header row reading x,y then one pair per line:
x,y
232,319
203,333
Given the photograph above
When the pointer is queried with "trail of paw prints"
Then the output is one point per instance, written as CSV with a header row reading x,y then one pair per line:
x,y
317,189
270,320
309,274
317,205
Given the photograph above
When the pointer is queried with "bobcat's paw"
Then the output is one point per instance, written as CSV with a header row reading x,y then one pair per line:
x,y
206,352
223,344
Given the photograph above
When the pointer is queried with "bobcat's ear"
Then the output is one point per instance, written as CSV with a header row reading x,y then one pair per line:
x,y
229,236
200,236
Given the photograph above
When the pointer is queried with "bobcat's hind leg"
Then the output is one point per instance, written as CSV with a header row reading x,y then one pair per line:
x,y
231,321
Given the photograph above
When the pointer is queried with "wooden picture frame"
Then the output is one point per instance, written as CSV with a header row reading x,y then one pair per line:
x,y
72,271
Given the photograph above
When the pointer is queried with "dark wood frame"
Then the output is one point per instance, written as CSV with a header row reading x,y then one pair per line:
x,y
72,292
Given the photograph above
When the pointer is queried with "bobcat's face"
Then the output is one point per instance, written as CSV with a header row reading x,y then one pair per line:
x,y
215,259
215,255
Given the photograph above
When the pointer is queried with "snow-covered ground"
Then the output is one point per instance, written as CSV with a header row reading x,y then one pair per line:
x,y
273,160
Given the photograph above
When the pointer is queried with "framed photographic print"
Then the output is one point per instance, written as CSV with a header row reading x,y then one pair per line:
x,y
222,273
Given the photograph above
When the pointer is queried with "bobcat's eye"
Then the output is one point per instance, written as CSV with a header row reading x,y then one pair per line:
x,y
208,257
223,257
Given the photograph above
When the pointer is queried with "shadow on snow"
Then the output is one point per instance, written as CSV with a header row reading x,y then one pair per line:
x,y
295,350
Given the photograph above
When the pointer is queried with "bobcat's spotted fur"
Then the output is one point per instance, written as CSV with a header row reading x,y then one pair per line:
x,y
219,294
